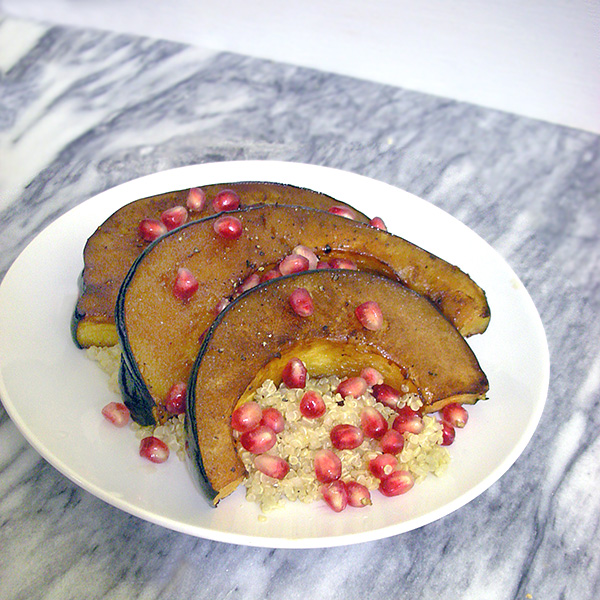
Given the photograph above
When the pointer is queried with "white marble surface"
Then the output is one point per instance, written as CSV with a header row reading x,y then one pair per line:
x,y
81,111
536,58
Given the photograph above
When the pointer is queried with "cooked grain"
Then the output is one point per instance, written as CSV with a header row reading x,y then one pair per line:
x,y
302,437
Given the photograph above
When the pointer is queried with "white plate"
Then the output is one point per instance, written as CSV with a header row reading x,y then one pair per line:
x,y
54,393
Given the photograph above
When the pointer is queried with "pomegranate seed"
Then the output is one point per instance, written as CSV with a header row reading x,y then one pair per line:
x,y
342,263
392,442
294,374
455,415
386,394
250,282
399,482
359,495
176,398
226,200
378,223
336,495
323,264
346,437
352,386
373,423
383,465
328,466
154,449
151,229
301,302
222,305
186,285
369,315
196,199
312,405
342,211
310,256
228,227
273,419
371,376
408,421
293,263
272,466
117,413
448,434
246,417
258,440
174,217
270,274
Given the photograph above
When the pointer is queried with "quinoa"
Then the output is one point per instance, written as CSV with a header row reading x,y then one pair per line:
x,y
302,437
108,359
299,441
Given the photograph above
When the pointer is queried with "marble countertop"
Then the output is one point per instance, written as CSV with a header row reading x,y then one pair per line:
x,y
82,111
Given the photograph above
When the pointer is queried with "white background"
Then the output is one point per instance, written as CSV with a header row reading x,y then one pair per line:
x,y
530,57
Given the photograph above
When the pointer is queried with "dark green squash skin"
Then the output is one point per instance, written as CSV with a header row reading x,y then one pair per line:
x,y
194,456
192,448
135,396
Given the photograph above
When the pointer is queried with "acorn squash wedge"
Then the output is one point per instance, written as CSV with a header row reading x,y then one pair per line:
x,y
114,246
160,334
256,335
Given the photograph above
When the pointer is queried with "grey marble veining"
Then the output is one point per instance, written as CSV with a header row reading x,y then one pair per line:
x,y
82,111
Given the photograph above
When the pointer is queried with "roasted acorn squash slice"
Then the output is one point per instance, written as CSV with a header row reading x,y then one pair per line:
x,y
114,246
161,334
256,335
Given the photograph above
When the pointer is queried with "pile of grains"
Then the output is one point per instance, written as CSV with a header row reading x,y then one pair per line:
x,y
108,359
302,437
